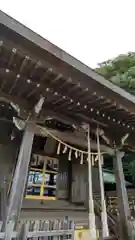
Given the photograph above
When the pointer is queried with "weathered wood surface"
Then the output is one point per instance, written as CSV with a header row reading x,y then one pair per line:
x,y
79,183
39,230
20,175
62,180
124,210
113,207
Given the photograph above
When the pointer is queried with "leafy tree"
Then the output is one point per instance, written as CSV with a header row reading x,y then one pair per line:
x,y
121,71
131,169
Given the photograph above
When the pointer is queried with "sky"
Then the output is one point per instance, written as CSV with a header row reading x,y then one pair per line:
x,y
90,30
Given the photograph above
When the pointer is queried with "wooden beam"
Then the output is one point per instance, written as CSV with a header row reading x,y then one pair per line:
x,y
20,176
124,211
3,199
60,61
54,99
72,139
26,108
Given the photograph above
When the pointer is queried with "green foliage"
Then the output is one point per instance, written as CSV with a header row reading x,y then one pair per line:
x,y
120,71
131,168
129,165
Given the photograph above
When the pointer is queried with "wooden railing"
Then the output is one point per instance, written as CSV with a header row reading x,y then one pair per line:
x,y
112,204
39,229
112,222
113,214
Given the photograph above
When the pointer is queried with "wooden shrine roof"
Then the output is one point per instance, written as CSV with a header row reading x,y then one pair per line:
x,y
31,66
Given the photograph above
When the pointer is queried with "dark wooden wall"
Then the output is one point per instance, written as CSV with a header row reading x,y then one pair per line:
x,y
8,155
72,190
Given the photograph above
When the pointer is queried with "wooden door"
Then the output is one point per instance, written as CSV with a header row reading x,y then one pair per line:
x,y
62,187
79,183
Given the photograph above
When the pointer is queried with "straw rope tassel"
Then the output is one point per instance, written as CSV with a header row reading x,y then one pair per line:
x,y
59,147
65,149
69,154
96,158
76,154
45,131
92,159
92,225
105,230
81,162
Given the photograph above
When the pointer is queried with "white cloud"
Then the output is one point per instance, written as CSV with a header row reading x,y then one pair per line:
x,y
90,30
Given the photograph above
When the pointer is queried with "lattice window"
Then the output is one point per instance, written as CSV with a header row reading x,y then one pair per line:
x,y
42,176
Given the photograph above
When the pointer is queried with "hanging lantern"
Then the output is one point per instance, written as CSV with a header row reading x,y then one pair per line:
x,y
65,149
69,154
58,149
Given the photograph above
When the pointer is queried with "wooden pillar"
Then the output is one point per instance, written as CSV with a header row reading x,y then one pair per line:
x,y
92,225
105,230
124,211
7,157
3,199
20,175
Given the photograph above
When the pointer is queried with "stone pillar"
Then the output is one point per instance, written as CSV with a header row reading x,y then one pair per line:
x,y
124,211
20,176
